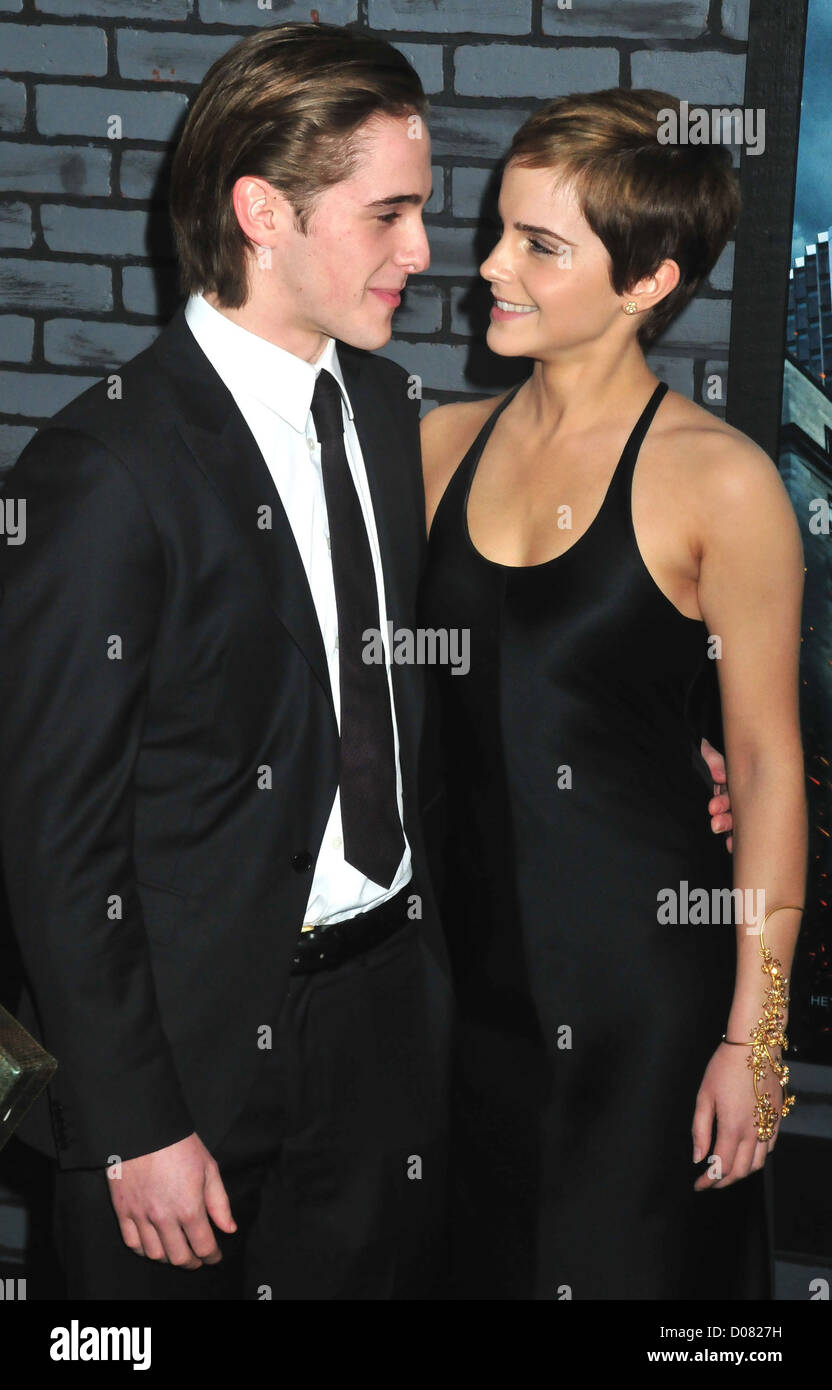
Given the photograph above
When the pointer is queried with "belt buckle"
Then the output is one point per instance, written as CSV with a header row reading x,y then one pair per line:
x,y
332,952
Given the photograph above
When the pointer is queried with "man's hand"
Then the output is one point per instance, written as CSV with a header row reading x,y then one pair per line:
x,y
163,1201
719,806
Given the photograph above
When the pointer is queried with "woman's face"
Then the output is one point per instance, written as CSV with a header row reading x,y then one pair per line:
x,y
551,268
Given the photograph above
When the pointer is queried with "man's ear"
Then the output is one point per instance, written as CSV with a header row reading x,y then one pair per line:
x,y
263,212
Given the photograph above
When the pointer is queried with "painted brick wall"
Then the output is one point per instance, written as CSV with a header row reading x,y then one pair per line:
x,y
86,273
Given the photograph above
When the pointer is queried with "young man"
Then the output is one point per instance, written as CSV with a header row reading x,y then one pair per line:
x,y
210,823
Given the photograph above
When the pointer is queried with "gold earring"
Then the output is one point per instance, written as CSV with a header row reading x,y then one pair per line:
x,y
631,307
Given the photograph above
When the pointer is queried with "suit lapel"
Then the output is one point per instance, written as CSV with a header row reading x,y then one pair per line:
x,y
224,449
376,429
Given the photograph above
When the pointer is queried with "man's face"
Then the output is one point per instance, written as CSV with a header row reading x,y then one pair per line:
x,y
343,278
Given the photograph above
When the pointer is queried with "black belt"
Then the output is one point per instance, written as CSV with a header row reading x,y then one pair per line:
x,y
325,947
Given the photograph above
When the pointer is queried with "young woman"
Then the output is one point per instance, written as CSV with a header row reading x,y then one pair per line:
x,y
603,539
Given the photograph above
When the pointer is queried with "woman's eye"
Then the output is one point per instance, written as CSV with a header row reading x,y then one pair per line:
x,y
538,247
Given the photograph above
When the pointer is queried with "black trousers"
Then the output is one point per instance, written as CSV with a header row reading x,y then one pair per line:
x,y
335,1169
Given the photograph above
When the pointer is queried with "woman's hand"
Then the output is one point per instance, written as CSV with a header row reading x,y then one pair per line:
x,y
727,1092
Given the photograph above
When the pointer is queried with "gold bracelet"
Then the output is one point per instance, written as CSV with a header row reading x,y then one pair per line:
x,y
767,1034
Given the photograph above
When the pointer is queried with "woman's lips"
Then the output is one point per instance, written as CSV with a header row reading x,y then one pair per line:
x,y
504,315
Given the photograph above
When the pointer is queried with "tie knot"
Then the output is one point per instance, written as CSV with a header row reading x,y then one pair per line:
x,y
326,407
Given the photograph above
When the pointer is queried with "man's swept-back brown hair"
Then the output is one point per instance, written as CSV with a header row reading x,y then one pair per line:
x,y
285,104
645,200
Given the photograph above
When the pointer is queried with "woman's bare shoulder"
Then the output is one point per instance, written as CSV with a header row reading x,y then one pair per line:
x,y
714,462
448,431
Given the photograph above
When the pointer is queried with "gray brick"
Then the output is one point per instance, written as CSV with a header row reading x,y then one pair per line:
x,y
518,70
715,385
481,133
16,338
676,371
15,225
683,19
735,18
151,56
12,105
28,284
468,192
147,291
722,275
426,58
96,231
85,343
705,323
13,440
451,16
86,111
145,174
38,395
453,251
163,11
245,13
421,310
60,49
710,78
440,365
436,201
73,169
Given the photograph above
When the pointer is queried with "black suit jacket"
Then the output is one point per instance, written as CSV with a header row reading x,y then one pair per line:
x,y
159,648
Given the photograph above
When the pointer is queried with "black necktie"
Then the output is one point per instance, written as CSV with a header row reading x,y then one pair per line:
x,y
373,840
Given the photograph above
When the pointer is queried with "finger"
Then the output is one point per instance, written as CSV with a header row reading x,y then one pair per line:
x,y
740,1164
715,761
151,1243
217,1204
130,1235
200,1236
718,804
729,843
702,1129
760,1155
724,1150
177,1250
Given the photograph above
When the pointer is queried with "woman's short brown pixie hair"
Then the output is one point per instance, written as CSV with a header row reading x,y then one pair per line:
x,y
646,201
284,104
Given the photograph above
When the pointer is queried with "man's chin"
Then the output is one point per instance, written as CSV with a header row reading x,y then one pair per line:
x,y
368,336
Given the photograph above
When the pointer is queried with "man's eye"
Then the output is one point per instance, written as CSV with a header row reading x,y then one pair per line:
x,y
389,217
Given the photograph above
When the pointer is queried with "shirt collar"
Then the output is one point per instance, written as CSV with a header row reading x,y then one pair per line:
x,y
252,366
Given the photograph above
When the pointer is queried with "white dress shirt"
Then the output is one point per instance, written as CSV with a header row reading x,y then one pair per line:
x,y
273,389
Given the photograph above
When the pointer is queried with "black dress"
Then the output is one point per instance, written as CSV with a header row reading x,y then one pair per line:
x,y
576,795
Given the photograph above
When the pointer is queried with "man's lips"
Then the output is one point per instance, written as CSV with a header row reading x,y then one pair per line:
x,y
392,296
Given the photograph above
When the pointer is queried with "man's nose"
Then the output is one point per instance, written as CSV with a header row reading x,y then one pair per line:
x,y
416,251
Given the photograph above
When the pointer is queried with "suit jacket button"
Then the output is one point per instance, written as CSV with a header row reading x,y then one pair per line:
x,y
302,861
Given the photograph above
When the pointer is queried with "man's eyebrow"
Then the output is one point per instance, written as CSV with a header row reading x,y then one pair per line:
x,y
415,198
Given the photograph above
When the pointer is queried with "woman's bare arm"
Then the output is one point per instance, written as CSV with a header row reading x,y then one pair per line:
x,y
750,590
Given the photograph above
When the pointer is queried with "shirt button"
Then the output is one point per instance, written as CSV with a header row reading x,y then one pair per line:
x,y
311,443
337,842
